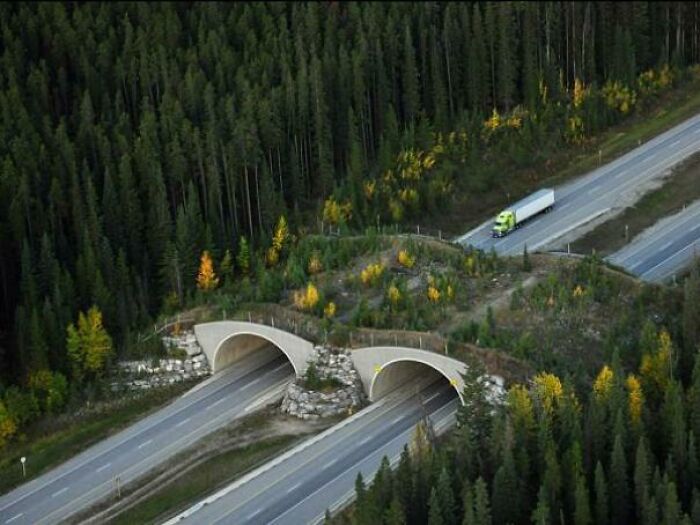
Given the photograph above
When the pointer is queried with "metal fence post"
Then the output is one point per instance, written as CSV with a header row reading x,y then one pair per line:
x,y
272,318
420,342
250,317
396,340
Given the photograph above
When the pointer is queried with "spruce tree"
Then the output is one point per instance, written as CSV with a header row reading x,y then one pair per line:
x,y
482,506
602,515
582,509
619,488
435,512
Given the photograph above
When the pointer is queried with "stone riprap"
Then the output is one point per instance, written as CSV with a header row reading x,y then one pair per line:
x,y
310,404
146,374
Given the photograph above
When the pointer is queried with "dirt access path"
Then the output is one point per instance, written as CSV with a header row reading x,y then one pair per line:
x,y
496,299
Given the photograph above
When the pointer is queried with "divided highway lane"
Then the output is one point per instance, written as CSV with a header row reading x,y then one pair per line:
x,y
90,476
298,487
665,249
592,195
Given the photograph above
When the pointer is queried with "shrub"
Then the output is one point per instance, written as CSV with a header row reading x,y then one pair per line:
x,y
405,259
371,275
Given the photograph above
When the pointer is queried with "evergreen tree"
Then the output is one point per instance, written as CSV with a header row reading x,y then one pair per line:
x,y
482,506
505,496
435,512
619,488
601,496
582,510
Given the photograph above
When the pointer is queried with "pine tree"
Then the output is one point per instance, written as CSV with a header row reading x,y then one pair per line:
x,y
482,507
619,488
505,498
642,475
226,268
541,514
601,496
435,511
243,256
395,514
672,507
409,77
582,509
446,498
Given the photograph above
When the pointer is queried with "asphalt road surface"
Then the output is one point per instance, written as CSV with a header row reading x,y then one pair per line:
x,y
592,195
319,474
90,476
664,250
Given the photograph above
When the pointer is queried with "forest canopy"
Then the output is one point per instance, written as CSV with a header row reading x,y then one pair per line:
x,y
134,136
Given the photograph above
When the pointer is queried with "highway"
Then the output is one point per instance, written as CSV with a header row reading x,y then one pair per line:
x,y
611,187
319,474
90,476
664,250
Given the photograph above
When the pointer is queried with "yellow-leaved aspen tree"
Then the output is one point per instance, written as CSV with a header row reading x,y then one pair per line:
x,y
206,279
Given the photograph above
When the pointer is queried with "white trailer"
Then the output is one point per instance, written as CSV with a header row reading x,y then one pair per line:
x,y
513,216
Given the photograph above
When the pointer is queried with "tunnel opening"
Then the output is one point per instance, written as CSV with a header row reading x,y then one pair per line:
x,y
411,375
246,346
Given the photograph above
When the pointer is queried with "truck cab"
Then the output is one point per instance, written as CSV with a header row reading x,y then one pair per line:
x,y
504,223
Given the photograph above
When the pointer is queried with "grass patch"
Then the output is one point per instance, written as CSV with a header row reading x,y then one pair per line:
x,y
45,450
672,108
680,189
203,479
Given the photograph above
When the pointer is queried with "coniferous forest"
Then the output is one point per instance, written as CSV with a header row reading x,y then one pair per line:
x,y
134,136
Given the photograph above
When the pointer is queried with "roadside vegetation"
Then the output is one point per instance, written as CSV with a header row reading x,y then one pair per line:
x,y
54,439
616,447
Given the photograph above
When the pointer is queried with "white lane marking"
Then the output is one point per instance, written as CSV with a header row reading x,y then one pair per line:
x,y
216,403
151,422
432,397
250,384
103,467
676,143
651,270
365,440
290,489
13,518
251,516
562,208
183,422
665,246
146,443
331,463
397,420
59,492
621,174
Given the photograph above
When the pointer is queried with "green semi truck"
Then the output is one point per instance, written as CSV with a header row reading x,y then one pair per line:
x,y
514,216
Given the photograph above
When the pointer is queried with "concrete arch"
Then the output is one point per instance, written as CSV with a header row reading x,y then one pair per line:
x,y
402,365
225,342
397,372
